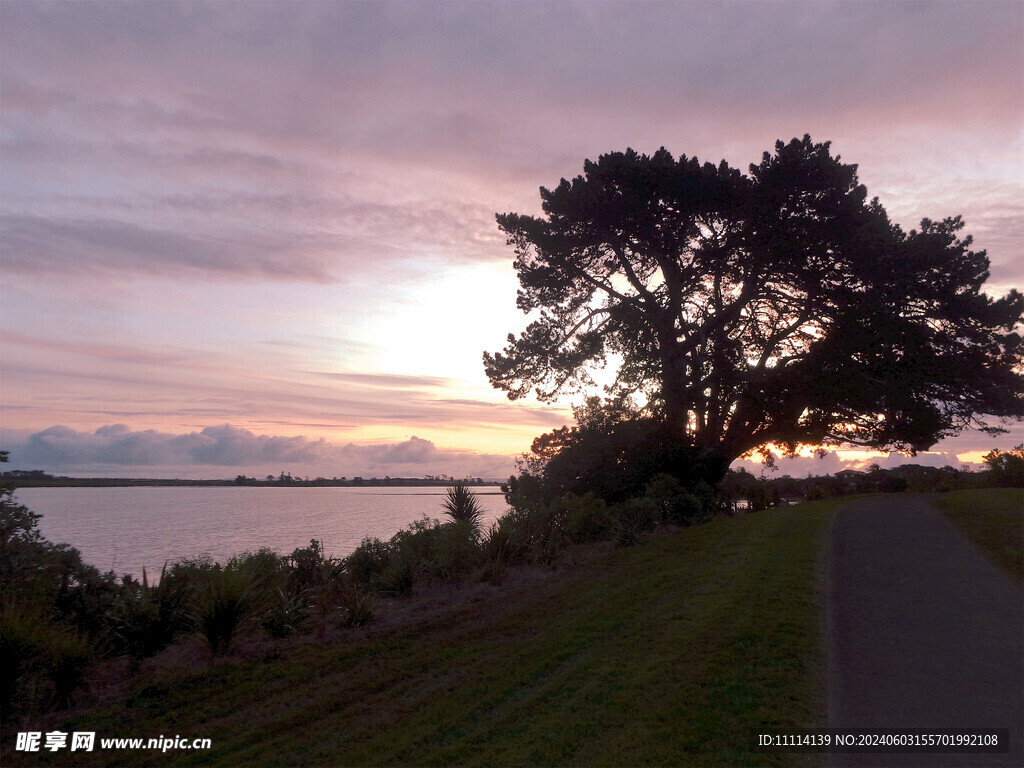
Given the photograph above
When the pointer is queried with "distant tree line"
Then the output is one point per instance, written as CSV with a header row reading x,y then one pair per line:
x,y
286,479
37,478
1004,469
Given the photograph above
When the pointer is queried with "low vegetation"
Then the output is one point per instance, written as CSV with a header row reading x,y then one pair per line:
x,y
675,652
62,616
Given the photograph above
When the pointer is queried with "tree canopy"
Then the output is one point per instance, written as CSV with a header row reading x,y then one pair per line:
x,y
777,307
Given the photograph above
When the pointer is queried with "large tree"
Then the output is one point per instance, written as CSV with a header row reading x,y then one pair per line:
x,y
778,307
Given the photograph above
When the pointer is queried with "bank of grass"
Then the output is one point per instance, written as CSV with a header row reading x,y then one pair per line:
x,y
994,520
677,652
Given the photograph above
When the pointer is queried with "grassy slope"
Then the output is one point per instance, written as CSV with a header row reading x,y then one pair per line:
x,y
677,652
994,520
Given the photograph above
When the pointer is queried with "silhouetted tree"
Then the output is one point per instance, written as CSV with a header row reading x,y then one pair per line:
x,y
781,307
1006,468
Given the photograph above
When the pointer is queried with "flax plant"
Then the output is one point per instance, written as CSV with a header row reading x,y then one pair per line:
x,y
461,505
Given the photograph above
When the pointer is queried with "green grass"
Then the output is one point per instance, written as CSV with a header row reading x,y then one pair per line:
x,y
994,520
677,652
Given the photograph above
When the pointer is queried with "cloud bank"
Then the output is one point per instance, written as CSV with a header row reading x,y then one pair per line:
x,y
208,452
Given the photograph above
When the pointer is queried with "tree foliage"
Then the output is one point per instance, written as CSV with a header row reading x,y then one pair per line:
x,y
613,452
778,307
1006,467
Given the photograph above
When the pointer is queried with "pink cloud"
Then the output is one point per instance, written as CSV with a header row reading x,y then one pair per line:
x,y
349,149
117,448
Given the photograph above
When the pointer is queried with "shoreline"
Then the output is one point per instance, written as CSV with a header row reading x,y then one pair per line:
x,y
18,482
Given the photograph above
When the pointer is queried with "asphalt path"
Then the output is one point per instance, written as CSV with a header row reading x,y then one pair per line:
x,y
922,632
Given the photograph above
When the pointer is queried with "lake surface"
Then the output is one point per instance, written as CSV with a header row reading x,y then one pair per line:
x,y
124,529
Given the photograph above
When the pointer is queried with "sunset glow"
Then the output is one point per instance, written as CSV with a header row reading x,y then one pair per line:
x,y
254,237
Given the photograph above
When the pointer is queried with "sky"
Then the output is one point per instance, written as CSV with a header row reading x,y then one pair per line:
x,y
243,237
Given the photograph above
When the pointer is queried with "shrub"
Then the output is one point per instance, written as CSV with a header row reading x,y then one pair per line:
x,y
506,538
615,450
634,518
189,572
494,571
418,542
51,577
456,549
146,618
287,614
267,567
304,566
325,592
367,563
548,533
587,518
358,606
400,573
47,659
676,504
528,531
462,506
226,597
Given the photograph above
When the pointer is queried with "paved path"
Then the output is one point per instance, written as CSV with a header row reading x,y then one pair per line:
x,y
922,632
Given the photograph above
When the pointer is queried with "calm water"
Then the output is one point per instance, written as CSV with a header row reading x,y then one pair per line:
x,y
124,529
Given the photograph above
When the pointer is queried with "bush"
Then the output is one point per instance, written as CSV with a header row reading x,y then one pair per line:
x,y
268,568
303,566
226,596
615,450
287,614
587,518
367,563
400,573
325,592
676,504
45,659
418,542
529,531
462,506
456,549
494,571
548,533
146,618
634,518
358,606
506,538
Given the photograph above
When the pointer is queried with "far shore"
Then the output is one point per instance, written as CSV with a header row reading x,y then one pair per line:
x,y
37,479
